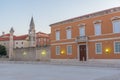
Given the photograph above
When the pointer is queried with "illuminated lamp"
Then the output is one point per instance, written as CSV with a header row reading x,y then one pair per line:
x,y
62,52
107,51
43,52
24,53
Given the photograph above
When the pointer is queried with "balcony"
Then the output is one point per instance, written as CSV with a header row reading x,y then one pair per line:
x,y
81,39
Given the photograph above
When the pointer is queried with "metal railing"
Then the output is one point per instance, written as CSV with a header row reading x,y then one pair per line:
x,y
81,39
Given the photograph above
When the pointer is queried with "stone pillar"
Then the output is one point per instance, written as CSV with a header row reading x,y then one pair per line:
x,y
11,44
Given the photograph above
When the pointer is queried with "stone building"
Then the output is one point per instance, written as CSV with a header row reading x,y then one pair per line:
x,y
23,44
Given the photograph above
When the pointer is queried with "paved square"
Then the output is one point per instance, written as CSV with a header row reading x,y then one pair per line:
x,y
55,72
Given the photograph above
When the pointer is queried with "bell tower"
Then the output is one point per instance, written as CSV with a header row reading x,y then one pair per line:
x,y
32,34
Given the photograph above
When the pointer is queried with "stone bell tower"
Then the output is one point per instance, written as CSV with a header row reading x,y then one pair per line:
x,y
32,34
11,44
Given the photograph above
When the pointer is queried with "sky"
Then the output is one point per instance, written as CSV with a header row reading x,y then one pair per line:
x,y
18,13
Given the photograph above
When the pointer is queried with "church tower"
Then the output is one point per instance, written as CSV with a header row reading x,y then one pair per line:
x,y
32,34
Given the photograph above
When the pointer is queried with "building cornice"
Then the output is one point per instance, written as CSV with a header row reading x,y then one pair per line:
x,y
92,15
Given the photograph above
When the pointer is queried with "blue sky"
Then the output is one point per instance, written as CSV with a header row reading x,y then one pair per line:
x,y
17,13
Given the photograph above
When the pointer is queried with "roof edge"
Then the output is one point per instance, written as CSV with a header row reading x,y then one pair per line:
x,y
91,15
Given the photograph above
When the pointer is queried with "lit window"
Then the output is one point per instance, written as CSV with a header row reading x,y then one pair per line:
x,y
97,29
117,47
57,50
57,35
69,49
98,48
82,31
68,33
116,26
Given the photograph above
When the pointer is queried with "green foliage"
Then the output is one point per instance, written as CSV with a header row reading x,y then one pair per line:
x,y
3,51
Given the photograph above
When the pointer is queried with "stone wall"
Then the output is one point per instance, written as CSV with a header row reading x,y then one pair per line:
x,y
43,54
31,54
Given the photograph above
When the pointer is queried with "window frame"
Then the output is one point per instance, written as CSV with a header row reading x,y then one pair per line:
x,y
114,26
68,50
22,43
97,47
57,36
80,28
57,52
115,47
95,29
68,34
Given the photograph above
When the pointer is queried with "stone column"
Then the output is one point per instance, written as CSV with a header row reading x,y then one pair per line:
x,y
11,44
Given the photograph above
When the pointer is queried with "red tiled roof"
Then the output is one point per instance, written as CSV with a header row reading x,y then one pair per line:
x,y
41,34
22,37
4,38
6,34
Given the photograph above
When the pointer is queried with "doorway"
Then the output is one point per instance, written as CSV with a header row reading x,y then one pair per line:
x,y
82,53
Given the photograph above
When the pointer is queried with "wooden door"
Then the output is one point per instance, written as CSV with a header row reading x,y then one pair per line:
x,y
82,52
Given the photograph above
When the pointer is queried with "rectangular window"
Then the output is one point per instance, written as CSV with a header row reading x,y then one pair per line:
x,y
69,49
98,48
68,33
116,26
39,39
117,47
57,50
57,35
82,31
21,42
97,29
16,42
44,39
4,43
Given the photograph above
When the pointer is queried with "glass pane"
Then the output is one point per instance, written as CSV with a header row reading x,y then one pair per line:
x,y
98,48
116,25
117,47
97,29
82,31
57,35
68,33
69,49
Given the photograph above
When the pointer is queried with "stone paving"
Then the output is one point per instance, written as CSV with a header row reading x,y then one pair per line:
x,y
21,70
52,72
91,63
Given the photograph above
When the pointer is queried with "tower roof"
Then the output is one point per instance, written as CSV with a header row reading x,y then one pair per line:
x,y
32,23
12,30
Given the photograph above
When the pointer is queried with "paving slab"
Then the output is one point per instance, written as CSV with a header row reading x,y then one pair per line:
x,y
41,71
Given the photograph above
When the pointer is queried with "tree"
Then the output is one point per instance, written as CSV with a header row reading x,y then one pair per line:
x,y
3,51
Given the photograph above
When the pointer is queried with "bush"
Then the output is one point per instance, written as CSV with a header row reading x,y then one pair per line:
x,y
3,51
